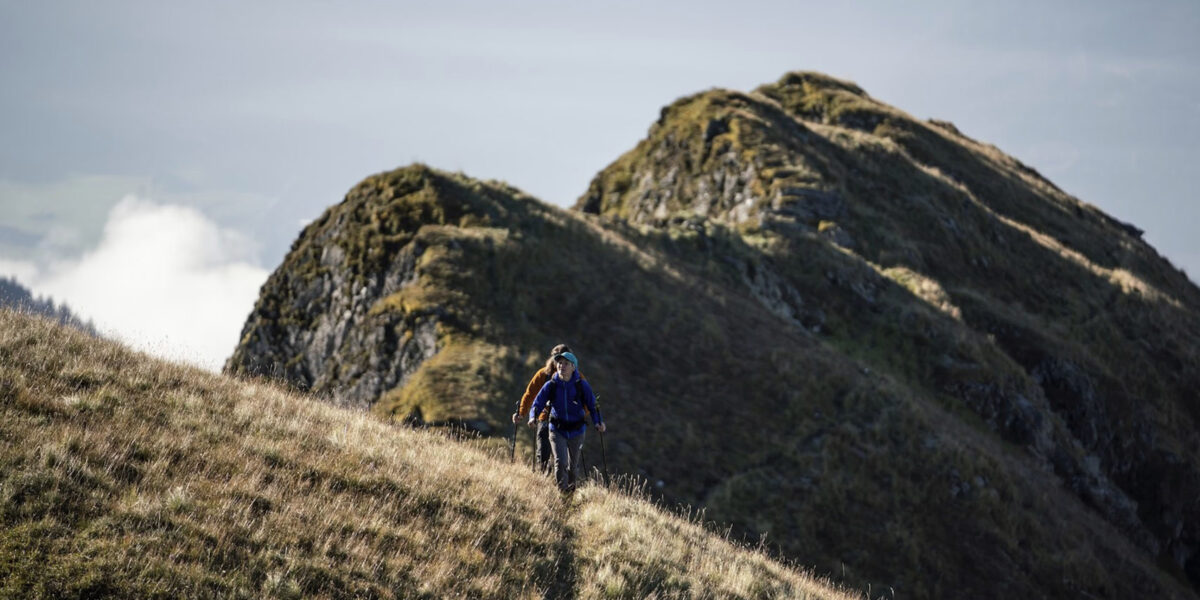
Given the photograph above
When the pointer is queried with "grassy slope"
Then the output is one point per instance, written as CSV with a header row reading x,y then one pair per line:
x,y
123,476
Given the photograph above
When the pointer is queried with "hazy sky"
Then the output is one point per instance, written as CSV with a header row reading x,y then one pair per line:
x,y
158,158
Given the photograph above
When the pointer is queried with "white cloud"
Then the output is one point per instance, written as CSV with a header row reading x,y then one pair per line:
x,y
163,278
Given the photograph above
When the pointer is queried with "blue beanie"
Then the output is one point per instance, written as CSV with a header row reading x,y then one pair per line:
x,y
570,357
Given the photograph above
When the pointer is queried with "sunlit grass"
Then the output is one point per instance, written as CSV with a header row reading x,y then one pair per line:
x,y
125,476
632,549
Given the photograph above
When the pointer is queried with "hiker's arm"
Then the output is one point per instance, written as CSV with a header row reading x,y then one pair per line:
x,y
590,399
539,403
531,390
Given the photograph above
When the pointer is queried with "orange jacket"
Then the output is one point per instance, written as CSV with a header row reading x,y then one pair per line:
x,y
531,391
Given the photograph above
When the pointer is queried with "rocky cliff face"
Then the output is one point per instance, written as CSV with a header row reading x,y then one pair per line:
x,y
888,347
313,324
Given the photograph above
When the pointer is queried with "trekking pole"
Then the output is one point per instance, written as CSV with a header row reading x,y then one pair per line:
x,y
512,448
604,455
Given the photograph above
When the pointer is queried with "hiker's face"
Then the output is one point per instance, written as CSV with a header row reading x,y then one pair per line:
x,y
565,368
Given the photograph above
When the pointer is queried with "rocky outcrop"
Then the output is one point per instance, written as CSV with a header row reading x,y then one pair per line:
x,y
317,324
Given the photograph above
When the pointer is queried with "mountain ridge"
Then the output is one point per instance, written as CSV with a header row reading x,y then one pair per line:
x,y
809,306
822,195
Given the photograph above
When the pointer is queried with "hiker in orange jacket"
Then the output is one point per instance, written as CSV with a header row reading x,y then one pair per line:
x,y
543,428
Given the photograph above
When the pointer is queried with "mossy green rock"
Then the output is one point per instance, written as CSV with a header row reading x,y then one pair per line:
x,y
902,356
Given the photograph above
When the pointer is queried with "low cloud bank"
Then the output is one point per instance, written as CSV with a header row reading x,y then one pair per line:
x,y
164,279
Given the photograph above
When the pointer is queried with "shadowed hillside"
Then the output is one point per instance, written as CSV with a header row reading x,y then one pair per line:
x,y
127,477
893,351
1053,322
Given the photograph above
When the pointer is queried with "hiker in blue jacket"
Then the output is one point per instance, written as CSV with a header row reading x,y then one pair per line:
x,y
567,394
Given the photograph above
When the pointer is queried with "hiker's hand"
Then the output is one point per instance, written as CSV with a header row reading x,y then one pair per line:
x,y
532,423
516,418
601,428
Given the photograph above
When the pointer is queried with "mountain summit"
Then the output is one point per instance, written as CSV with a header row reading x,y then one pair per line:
x,y
902,356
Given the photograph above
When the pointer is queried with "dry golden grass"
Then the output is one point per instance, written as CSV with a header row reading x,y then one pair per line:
x,y
123,476
631,549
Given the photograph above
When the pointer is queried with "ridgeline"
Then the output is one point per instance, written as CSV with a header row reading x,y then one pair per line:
x,y
903,357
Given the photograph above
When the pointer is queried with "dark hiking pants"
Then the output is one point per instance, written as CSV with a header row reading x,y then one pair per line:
x,y
567,455
543,447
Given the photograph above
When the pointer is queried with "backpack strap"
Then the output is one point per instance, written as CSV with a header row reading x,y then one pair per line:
x,y
553,394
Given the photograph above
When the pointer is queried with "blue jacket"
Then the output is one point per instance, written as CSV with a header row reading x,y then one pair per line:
x,y
565,407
